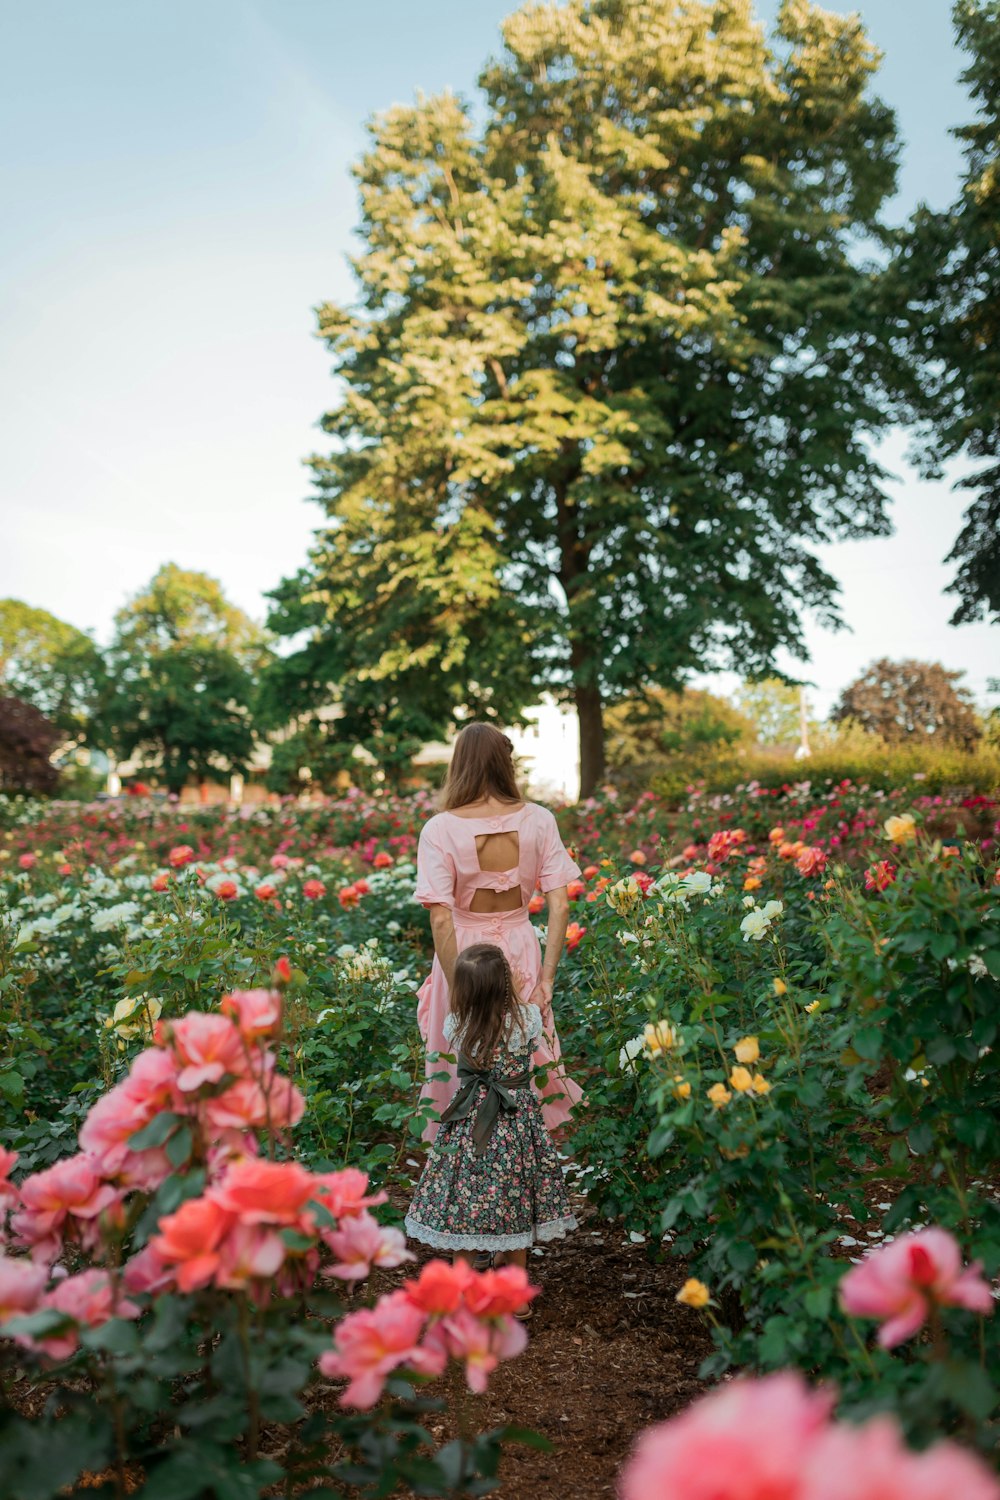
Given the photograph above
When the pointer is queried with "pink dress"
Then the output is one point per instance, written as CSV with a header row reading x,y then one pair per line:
x,y
448,874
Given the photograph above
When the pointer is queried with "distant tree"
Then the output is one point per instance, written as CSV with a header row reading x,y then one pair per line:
x,y
948,280
181,683
612,357
27,740
52,665
775,708
899,700
662,729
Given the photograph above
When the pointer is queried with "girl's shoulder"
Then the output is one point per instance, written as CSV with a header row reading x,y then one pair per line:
x,y
525,1026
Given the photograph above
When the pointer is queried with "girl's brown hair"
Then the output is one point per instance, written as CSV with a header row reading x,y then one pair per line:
x,y
484,1001
482,765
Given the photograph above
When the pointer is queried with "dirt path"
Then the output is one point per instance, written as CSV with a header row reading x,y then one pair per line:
x,y
609,1353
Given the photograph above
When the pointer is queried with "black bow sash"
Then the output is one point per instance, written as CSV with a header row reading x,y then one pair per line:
x,y
499,1096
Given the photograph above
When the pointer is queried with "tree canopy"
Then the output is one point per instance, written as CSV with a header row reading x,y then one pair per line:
x,y
948,277
613,361
181,684
50,664
900,700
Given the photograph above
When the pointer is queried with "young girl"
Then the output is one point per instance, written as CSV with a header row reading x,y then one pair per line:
x,y
492,1180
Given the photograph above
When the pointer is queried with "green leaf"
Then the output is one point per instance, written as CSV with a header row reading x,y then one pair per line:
x,y
180,1146
155,1133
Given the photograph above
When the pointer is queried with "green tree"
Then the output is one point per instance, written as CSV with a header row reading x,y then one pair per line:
x,y
775,708
48,663
614,355
947,278
181,678
903,700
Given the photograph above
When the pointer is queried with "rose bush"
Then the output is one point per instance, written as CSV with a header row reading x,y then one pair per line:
x,y
171,1287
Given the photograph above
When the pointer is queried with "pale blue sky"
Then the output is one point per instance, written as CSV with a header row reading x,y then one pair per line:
x,y
176,200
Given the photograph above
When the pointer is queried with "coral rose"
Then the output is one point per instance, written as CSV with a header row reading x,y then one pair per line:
x,y
180,854
188,1241
440,1286
265,1192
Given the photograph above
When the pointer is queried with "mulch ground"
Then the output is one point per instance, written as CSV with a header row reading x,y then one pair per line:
x,y
609,1352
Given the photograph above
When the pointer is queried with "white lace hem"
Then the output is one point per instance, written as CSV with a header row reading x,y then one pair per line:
x,y
554,1229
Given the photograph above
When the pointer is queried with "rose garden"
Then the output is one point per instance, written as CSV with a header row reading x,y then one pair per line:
x,y
782,1005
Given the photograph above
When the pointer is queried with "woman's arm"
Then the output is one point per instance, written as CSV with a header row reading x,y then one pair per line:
x,y
445,942
555,936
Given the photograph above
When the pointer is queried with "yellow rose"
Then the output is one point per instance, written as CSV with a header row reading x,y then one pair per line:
x,y
760,1084
812,1006
751,883
741,1080
694,1293
747,1050
682,1089
780,987
719,1095
658,1036
901,829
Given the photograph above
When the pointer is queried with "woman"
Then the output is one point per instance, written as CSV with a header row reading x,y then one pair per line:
x,y
479,862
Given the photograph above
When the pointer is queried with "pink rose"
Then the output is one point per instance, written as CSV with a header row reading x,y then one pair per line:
x,y
208,1047
372,1343
88,1299
749,1440
257,1013
900,1282
22,1283
345,1192
480,1345
362,1242
872,1463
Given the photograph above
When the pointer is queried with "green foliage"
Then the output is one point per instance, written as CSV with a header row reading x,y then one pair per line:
x,y
864,759
590,381
662,731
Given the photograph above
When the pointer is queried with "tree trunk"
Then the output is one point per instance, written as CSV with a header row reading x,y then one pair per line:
x,y
591,714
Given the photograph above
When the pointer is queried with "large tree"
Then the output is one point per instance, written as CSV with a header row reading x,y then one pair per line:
x,y
614,361
181,678
948,278
905,700
50,664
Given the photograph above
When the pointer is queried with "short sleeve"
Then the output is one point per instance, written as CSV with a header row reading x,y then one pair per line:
x,y
556,867
435,871
532,1023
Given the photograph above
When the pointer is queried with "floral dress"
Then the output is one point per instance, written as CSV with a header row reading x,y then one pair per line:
x,y
503,1192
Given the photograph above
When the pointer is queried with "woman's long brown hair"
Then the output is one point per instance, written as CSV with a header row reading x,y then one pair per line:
x,y
484,1001
482,765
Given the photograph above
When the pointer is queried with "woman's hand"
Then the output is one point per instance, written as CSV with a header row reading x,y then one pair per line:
x,y
541,996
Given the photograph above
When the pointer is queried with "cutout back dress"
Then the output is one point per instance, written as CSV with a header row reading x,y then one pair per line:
x,y
449,874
